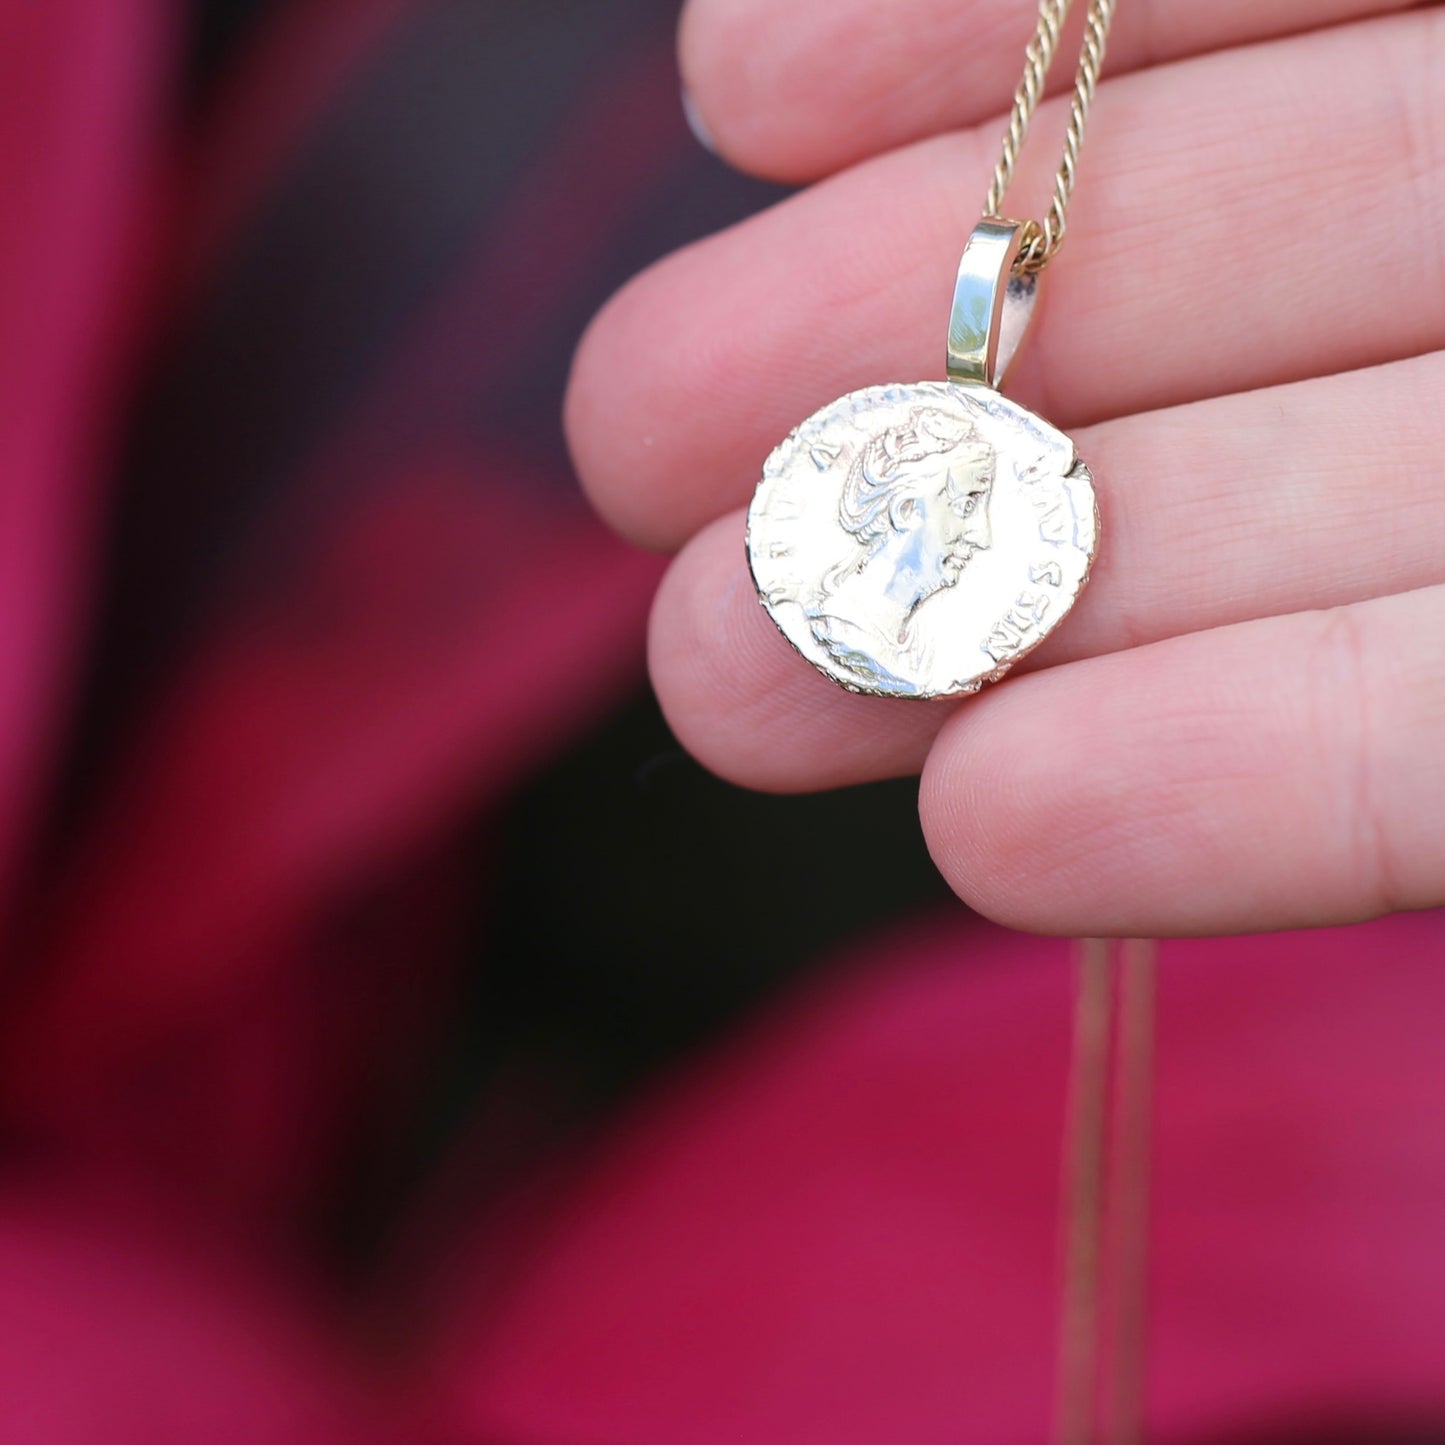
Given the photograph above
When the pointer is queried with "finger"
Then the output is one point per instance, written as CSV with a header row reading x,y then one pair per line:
x,y
1312,495
1205,256
800,89
1276,774
743,703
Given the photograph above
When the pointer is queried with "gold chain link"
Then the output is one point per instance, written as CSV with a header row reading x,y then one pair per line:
x,y
1042,239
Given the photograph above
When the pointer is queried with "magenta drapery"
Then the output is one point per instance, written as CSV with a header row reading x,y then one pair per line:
x,y
838,1226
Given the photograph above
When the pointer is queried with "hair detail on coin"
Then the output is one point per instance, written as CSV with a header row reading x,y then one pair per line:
x,y
882,475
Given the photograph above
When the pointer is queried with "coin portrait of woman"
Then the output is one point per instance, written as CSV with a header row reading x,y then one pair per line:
x,y
916,502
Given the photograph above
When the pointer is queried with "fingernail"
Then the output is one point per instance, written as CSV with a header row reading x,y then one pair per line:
x,y
696,124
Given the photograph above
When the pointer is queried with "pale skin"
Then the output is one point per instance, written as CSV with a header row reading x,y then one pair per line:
x,y
1241,726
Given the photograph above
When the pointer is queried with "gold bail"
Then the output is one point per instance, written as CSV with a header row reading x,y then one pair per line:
x,y
992,307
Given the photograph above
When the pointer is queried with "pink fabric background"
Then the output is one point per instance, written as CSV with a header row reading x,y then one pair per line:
x,y
836,1226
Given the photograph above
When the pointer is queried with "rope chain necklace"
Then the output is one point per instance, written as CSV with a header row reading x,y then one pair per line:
x,y
918,539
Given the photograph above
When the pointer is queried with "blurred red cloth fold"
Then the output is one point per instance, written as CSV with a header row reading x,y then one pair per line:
x,y
842,1226
237,934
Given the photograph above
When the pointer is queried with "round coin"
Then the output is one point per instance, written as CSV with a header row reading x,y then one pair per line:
x,y
917,540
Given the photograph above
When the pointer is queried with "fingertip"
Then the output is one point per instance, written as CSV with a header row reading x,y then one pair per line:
x,y
1141,793
614,420
696,47
745,704
696,124
715,55
974,827
713,44
1040,821
707,638
740,63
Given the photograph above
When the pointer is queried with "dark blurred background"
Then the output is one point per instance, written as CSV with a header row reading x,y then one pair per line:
x,y
613,904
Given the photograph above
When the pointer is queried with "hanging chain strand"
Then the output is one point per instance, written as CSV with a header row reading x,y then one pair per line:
x,y
1042,239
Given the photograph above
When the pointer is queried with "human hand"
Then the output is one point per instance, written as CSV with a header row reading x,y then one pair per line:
x,y
1239,727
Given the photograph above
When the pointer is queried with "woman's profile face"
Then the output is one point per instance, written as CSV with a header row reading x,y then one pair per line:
x,y
948,519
